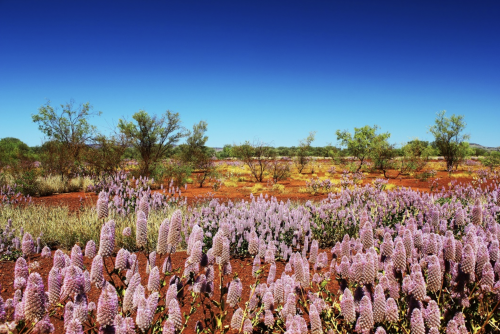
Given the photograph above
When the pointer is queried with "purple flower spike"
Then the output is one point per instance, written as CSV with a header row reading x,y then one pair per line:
x,y
162,245
34,299
392,312
97,272
316,326
379,305
365,321
28,246
90,249
347,306
77,256
417,323
107,307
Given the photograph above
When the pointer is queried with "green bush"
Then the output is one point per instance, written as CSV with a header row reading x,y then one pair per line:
x,y
27,182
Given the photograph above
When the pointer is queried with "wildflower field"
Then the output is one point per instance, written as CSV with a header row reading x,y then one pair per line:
x,y
361,260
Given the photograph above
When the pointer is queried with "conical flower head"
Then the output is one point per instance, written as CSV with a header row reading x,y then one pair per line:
x,y
102,207
28,246
122,259
59,261
225,256
468,260
237,319
400,257
367,235
90,249
34,299
365,321
494,251
77,256
391,311
162,245
144,205
168,327
74,282
408,242
347,308
417,322
488,277
449,248
97,271
482,258
253,243
433,315
418,287
107,307
107,241
154,280
234,292
55,284
379,304
21,269
459,217
313,254
174,231
316,326
434,276
247,326
141,232
174,313
477,213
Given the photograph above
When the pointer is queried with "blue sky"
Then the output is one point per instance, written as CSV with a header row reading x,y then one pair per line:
x,y
268,70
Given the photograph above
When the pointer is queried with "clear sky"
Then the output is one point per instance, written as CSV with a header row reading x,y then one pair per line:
x,y
268,70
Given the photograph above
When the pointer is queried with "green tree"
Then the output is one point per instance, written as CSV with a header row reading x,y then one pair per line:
x,y
362,144
302,158
450,139
152,136
197,155
70,126
255,156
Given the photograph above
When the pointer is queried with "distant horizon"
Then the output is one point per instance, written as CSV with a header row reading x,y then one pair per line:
x,y
272,71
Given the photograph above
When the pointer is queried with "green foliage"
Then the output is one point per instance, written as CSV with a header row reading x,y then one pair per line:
x,y
105,156
152,136
227,152
450,139
69,127
364,143
301,158
175,169
27,182
12,151
255,156
492,161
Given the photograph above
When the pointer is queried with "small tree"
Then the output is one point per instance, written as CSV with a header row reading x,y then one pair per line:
x,y
153,137
105,156
255,156
450,139
414,157
361,146
197,155
70,127
302,158
279,167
